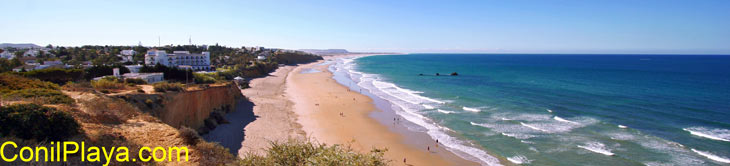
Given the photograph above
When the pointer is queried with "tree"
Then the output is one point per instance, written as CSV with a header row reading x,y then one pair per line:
x,y
19,54
15,62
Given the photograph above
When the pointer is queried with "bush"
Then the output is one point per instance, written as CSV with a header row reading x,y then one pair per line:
x,y
107,84
204,78
49,96
189,135
32,121
135,81
308,153
10,82
56,75
78,86
165,86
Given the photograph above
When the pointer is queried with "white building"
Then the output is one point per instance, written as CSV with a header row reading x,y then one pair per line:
x,y
25,68
179,59
51,63
128,52
32,53
133,68
148,77
6,55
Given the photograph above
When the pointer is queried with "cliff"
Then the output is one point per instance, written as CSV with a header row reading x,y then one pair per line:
x,y
200,108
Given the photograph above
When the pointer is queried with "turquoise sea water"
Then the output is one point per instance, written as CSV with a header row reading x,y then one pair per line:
x,y
560,109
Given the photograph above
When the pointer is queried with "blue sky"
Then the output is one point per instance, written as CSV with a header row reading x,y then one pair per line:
x,y
518,26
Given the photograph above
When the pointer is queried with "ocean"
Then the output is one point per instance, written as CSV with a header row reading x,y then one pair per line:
x,y
543,109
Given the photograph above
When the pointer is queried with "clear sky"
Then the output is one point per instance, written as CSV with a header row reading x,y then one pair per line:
x,y
529,26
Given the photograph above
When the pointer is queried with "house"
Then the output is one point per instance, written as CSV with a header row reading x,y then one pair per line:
x,y
128,52
56,62
133,68
148,77
179,59
29,60
260,57
125,58
25,68
6,55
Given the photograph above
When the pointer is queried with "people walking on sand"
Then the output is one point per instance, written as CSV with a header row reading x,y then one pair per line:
x,y
404,160
428,148
437,143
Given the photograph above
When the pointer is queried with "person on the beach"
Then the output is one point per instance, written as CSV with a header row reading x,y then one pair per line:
x,y
428,148
404,160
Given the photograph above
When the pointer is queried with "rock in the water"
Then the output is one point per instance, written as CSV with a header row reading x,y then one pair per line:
x,y
437,74
454,74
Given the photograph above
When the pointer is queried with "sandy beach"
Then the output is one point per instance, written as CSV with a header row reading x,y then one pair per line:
x,y
275,120
311,105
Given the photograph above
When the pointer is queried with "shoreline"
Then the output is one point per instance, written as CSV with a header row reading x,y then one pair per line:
x,y
318,99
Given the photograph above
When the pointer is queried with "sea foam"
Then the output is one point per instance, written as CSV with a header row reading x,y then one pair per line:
x,y
519,159
715,134
444,111
408,104
712,156
597,147
563,120
470,109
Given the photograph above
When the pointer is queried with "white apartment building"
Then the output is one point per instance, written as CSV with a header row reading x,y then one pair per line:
x,y
180,59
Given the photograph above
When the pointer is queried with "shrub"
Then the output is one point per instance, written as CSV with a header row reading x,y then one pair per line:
x,y
165,86
56,75
135,81
32,121
16,82
189,135
149,102
309,153
107,84
204,78
49,96
140,91
78,86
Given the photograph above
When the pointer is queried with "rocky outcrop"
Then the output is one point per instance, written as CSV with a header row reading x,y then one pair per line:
x,y
201,108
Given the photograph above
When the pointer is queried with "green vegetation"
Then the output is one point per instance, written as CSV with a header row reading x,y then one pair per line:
x,y
170,73
165,86
207,78
9,82
39,95
8,65
308,153
134,81
56,75
15,87
103,70
32,121
108,83
189,135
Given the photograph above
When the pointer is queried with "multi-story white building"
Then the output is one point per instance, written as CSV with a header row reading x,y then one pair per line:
x,y
180,59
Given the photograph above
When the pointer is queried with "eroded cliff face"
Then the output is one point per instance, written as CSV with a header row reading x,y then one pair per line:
x,y
200,108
